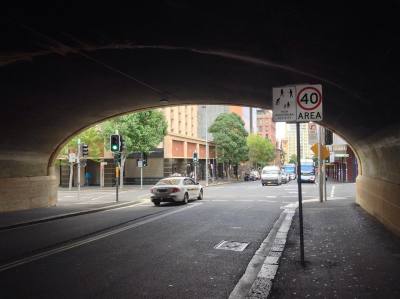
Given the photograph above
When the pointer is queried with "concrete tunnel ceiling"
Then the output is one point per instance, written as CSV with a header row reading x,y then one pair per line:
x,y
60,69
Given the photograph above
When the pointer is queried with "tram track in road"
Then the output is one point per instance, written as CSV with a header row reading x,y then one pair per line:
x,y
88,238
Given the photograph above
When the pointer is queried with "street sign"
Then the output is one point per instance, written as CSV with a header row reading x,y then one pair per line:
x,y
309,103
71,157
312,133
139,163
284,104
324,150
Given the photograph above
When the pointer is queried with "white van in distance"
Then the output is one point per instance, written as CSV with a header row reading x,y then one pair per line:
x,y
271,175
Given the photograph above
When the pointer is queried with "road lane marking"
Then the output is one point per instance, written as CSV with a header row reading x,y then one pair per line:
x,y
271,196
76,244
333,191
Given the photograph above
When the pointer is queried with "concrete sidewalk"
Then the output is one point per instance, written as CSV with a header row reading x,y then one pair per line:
x,y
348,254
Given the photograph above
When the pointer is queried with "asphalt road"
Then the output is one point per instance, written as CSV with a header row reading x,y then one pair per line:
x,y
145,251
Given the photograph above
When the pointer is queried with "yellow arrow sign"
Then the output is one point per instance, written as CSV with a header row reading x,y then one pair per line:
x,y
325,151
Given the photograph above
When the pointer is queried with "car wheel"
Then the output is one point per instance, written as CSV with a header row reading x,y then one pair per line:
x,y
200,195
157,203
185,199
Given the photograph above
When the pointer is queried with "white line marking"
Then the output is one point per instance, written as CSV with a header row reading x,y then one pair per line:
x,y
333,191
271,196
89,240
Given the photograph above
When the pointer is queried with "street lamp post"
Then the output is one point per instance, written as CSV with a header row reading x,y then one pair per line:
x,y
206,146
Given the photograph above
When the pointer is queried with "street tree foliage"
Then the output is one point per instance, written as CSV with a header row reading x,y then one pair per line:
x,y
141,131
230,139
92,137
261,150
293,159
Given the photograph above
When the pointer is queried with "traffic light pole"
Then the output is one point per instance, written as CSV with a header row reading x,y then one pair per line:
x,y
79,167
116,179
141,176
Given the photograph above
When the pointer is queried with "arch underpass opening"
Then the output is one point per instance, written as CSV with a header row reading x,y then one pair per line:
x,y
190,77
186,134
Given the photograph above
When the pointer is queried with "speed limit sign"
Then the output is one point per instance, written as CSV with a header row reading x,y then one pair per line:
x,y
309,103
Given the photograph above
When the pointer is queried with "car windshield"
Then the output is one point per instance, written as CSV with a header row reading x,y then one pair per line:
x,y
307,169
270,171
169,182
289,169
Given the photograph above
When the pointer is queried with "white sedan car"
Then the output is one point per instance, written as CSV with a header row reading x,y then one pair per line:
x,y
176,189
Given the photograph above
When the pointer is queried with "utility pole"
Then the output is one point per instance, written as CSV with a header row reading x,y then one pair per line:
x,y
321,178
251,120
324,165
206,146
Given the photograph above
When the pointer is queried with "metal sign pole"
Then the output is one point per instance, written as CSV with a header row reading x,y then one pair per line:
x,y
300,194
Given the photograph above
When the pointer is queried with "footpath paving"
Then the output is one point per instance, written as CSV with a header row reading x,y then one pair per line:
x,y
348,254
70,207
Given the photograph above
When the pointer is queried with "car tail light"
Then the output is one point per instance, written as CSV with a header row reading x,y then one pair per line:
x,y
175,190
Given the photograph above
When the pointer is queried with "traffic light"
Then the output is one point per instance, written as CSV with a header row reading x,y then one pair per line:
x,y
144,159
115,143
84,150
195,157
328,137
122,145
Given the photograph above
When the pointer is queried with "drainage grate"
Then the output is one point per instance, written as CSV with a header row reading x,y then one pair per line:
x,y
231,245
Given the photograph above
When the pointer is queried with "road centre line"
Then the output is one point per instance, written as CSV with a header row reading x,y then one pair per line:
x,y
76,244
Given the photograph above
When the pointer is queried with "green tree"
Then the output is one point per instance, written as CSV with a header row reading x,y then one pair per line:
x,y
293,159
141,131
261,150
230,139
93,138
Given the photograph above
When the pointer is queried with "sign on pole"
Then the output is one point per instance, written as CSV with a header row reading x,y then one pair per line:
x,y
71,157
324,151
298,103
284,104
309,102
312,133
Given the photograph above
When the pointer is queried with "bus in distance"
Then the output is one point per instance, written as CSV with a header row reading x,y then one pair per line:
x,y
307,170
290,168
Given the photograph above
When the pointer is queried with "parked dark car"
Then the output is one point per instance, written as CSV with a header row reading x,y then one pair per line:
x,y
246,176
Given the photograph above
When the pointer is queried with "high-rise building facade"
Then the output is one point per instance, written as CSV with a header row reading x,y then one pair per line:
x,y
210,112
305,148
265,126
182,120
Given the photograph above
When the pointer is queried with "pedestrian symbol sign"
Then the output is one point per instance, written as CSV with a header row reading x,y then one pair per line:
x,y
297,103
284,104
